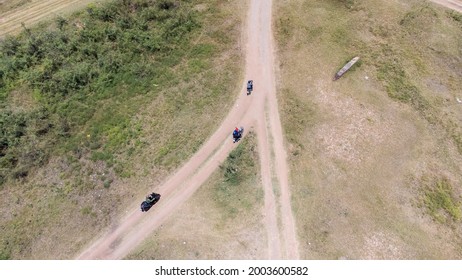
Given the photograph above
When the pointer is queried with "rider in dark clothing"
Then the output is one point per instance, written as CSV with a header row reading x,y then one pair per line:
x,y
236,133
149,198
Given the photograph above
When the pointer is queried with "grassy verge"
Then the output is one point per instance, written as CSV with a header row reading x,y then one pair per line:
x,y
221,221
98,106
355,143
235,194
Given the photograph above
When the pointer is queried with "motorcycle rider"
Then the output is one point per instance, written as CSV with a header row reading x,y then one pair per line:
x,y
149,198
236,133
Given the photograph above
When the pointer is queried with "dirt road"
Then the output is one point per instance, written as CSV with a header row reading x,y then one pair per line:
x,y
258,111
451,4
35,11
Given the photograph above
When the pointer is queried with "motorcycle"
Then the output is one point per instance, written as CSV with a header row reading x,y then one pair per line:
x,y
151,199
249,87
237,134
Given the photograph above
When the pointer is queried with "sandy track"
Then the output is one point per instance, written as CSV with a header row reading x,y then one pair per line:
x,y
249,111
451,4
270,139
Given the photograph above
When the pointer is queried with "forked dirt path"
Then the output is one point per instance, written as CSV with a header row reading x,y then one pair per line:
x,y
258,111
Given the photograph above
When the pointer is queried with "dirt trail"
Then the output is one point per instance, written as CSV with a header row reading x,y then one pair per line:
x,y
260,111
270,139
451,4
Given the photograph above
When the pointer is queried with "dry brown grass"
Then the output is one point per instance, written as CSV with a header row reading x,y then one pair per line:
x,y
357,153
14,13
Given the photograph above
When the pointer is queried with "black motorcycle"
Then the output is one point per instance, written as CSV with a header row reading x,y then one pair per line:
x,y
249,87
237,134
151,199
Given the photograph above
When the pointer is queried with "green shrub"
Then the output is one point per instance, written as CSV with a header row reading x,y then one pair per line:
x,y
399,86
441,202
107,183
237,191
239,163
455,16
113,54
5,254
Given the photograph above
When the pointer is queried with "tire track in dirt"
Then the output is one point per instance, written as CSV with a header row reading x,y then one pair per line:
x,y
254,70
269,120
248,111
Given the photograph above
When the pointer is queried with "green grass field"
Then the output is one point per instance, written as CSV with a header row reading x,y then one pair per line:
x,y
98,107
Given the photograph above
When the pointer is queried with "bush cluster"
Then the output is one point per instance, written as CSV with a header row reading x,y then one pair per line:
x,y
71,66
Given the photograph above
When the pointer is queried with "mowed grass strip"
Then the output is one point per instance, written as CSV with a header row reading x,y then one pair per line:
x,y
16,12
98,107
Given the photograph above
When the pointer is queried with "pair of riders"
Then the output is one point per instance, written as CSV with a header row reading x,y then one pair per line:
x,y
236,133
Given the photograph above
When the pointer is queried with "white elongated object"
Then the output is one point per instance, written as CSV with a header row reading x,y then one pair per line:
x,y
345,68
